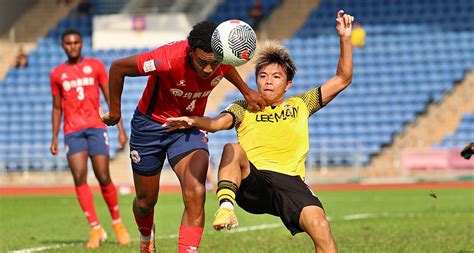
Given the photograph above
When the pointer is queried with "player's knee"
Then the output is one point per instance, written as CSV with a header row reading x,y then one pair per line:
x,y
144,204
232,151
104,179
194,193
321,224
79,178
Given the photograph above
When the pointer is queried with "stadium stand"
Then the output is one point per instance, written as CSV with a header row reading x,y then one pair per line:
x,y
239,10
27,105
464,134
414,54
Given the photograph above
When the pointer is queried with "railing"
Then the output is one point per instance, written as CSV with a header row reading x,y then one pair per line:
x,y
30,158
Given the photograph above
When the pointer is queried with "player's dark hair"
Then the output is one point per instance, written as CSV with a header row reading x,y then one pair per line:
x,y
273,52
70,32
200,36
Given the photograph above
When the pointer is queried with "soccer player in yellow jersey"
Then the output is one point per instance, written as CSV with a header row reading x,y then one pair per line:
x,y
265,172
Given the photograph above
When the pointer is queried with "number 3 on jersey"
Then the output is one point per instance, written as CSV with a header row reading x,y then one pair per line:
x,y
191,106
80,93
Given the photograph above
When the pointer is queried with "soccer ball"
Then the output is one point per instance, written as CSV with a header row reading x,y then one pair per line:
x,y
234,42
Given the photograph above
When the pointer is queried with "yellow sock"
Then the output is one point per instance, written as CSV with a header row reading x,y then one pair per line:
x,y
226,191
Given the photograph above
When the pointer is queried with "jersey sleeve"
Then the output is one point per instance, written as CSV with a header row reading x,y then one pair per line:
x,y
225,68
153,62
313,100
237,110
54,85
102,73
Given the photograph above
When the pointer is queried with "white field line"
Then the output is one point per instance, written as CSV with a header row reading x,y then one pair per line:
x,y
172,236
43,248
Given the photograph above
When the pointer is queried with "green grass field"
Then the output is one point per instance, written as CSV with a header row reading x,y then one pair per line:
x,y
361,221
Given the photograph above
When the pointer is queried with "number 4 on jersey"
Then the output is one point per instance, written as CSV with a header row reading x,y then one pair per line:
x,y
191,106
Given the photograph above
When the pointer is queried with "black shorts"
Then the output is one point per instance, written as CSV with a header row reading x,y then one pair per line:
x,y
276,194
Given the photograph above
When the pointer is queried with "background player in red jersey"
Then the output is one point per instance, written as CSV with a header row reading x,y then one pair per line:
x,y
181,76
75,87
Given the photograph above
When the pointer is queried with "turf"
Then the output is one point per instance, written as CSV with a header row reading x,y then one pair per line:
x,y
361,221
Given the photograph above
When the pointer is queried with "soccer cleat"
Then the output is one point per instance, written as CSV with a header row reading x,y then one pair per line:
x,y
122,235
225,218
96,237
149,245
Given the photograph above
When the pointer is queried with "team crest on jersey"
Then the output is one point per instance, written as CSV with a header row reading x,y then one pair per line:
x,y
177,92
135,156
87,69
216,80
63,76
181,83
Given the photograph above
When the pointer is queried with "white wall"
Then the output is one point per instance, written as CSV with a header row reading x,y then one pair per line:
x,y
115,31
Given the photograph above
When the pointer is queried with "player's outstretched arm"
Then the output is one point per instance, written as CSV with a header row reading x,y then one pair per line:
x,y
343,77
117,73
222,121
253,98
122,138
56,123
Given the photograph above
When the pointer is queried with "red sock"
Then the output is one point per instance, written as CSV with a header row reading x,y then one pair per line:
x,y
84,195
109,192
145,224
189,239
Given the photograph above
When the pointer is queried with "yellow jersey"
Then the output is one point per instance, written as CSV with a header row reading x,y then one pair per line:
x,y
277,138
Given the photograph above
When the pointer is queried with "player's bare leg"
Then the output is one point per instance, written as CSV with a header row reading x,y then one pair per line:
x,y
146,190
191,171
314,222
100,163
234,166
78,166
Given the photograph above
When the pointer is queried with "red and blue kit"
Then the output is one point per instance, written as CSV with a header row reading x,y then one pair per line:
x,y
174,88
78,86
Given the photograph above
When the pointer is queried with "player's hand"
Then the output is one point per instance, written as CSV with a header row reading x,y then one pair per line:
x,y
344,24
108,119
178,123
122,140
54,147
255,101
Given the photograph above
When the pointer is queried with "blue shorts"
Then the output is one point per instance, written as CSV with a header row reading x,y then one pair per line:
x,y
150,143
94,140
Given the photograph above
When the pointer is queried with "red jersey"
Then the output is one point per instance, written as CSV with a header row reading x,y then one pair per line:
x,y
78,86
174,88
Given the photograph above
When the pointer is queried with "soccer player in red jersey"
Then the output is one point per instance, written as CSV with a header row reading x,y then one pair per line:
x,y
75,87
181,74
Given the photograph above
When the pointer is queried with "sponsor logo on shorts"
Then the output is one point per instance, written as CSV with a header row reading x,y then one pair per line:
x,y
204,139
66,149
135,156
106,137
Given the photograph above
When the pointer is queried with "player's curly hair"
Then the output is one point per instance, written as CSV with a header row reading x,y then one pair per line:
x,y
200,36
69,32
273,52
